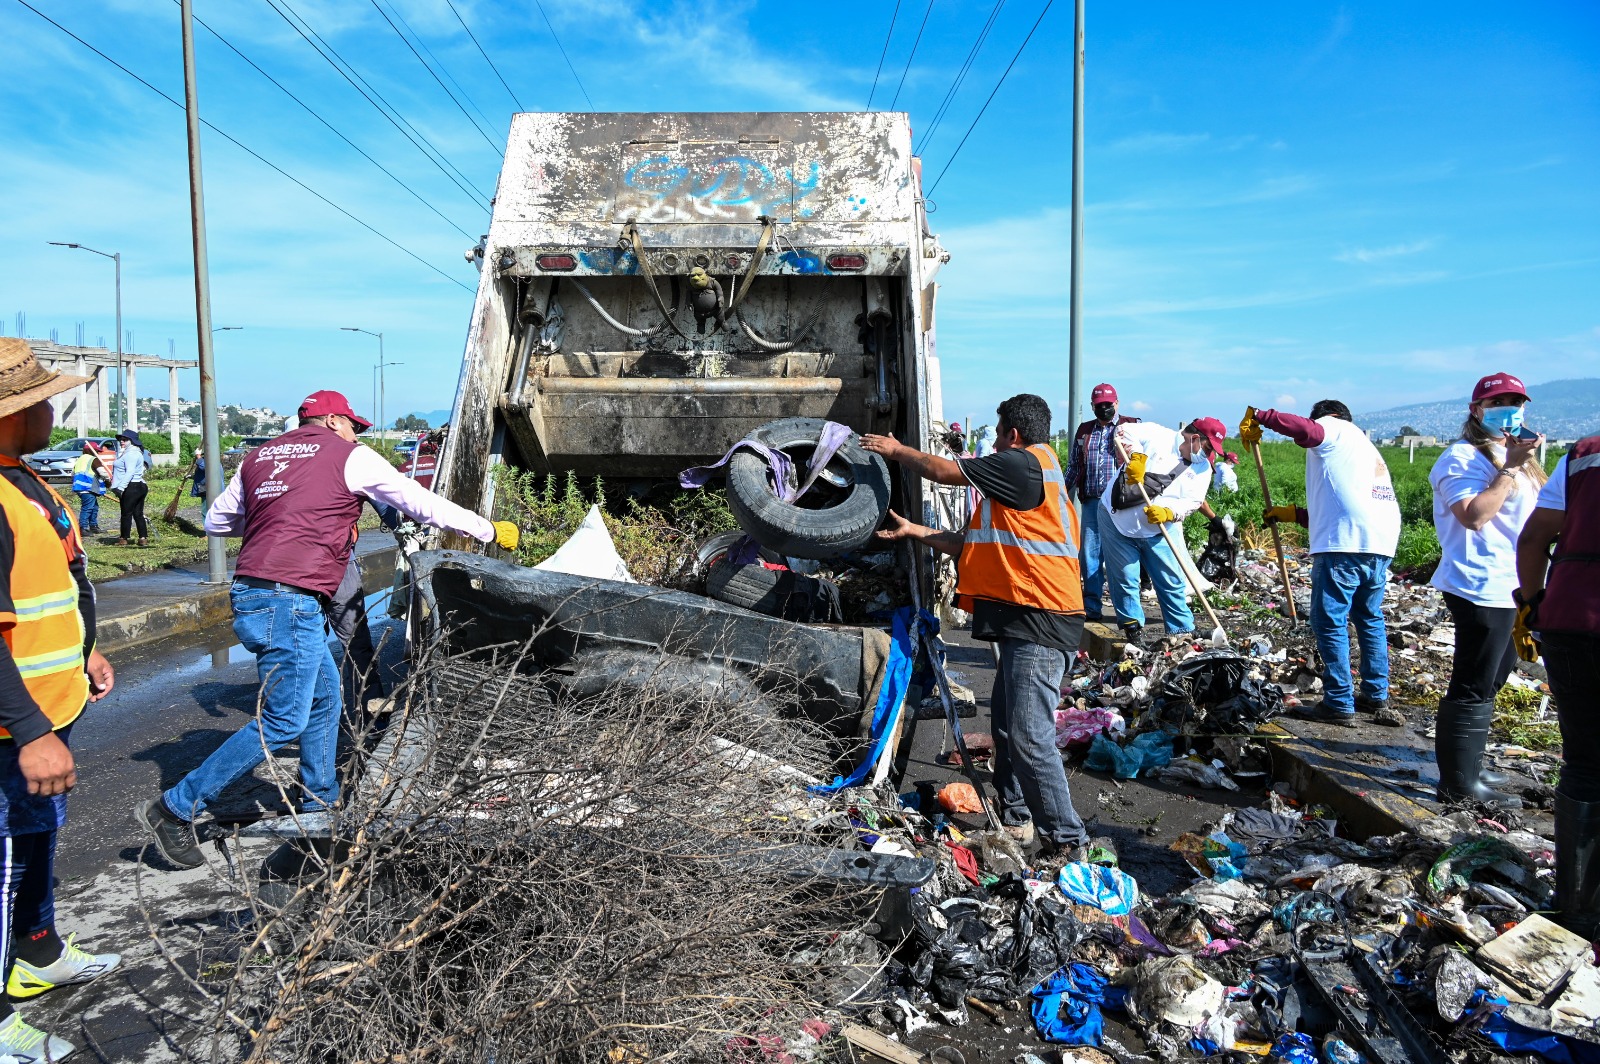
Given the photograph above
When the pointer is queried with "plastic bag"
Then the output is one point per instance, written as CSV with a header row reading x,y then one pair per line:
x,y
1215,692
959,798
1149,750
1198,773
1110,890
1175,990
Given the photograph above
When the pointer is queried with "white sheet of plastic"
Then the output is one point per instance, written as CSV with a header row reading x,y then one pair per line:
x,y
589,552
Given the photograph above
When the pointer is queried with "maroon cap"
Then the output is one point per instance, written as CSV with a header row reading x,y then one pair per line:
x,y
1498,384
1103,393
1212,431
323,403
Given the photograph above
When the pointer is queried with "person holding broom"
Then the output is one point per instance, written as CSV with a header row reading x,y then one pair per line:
x,y
1353,521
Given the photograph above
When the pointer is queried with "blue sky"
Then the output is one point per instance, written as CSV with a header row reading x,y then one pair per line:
x,y
1371,201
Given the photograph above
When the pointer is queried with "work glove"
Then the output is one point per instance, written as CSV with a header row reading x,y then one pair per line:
x,y
1159,515
1135,469
1280,513
1522,629
507,535
1250,428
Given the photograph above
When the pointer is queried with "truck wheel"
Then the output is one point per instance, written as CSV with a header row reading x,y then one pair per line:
x,y
838,513
755,587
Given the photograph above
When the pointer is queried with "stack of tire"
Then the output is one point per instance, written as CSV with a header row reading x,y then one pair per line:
x,y
837,515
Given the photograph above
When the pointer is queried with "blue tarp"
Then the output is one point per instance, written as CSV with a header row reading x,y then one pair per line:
x,y
1066,1006
896,678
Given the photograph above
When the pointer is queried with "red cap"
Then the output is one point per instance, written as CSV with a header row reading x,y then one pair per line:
x,y
323,403
1212,431
1498,384
955,426
1230,456
1103,393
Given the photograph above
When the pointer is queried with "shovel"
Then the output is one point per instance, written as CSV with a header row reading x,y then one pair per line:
x,y
1219,638
1277,540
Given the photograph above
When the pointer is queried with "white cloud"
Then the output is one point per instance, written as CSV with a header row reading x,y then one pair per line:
x,y
1389,251
1140,405
1159,142
1284,402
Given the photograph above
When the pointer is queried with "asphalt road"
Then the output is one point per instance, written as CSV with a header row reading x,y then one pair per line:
x,y
176,701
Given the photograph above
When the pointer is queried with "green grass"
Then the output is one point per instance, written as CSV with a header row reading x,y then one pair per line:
x,y
1285,465
1515,710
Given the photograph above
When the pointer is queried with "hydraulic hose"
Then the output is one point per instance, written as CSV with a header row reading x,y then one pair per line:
x,y
788,345
613,322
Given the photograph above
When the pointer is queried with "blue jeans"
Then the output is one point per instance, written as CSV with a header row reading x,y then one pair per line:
x,y
1089,558
299,700
1348,588
1123,554
1028,772
88,510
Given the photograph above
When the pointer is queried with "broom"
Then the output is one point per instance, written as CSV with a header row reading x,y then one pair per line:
x,y
171,511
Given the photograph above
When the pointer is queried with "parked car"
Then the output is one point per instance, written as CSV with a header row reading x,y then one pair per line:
x,y
56,463
245,445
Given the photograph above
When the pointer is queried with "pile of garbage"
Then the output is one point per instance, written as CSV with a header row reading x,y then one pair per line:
x,y
1291,942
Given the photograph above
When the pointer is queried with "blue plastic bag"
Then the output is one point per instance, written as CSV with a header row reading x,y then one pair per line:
x,y
1149,750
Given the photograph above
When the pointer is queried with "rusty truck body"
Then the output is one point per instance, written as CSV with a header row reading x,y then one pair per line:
x,y
653,286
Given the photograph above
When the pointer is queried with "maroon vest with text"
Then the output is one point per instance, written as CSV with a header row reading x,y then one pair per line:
x,y
1572,591
298,513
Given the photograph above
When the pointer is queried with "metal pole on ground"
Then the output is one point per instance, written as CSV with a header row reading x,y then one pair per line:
x,y
1075,299
216,549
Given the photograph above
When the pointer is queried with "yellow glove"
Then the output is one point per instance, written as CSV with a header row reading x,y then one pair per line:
x,y
1281,513
1135,470
1159,515
507,535
1250,428
1522,629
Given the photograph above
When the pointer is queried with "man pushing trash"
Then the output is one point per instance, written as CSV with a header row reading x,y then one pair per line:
x,y
1018,575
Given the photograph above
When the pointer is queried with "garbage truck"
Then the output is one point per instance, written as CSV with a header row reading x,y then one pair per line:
x,y
654,286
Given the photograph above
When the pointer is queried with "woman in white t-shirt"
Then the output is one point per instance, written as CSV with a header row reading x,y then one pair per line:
x,y
1485,485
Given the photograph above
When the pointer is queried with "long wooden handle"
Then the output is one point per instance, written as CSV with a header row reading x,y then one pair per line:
x,y
172,507
1277,540
1173,547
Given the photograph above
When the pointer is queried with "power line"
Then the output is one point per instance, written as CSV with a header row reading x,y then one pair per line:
x,y
986,102
913,55
563,51
485,54
398,120
459,105
439,63
325,122
883,54
249,151
961,76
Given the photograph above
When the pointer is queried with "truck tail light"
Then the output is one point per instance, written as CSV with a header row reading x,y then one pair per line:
x,y
557,262
847,262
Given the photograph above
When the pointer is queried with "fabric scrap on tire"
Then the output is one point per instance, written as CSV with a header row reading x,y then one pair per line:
x,y
833,437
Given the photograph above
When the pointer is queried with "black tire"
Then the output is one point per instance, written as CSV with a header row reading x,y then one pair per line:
x,y
830,519
755,587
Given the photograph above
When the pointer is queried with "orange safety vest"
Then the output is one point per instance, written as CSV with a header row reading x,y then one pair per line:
x,y
44,629
1026,557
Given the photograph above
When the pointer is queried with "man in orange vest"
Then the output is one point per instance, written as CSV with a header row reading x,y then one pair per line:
x,y
49,670
1018,575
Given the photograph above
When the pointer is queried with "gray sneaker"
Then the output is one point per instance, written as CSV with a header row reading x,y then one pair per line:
x,y
29,1045
1022,832
174,838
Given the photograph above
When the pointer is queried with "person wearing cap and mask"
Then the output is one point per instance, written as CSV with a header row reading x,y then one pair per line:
x,y
1175,471
127,484
295,501
1354,526
49,672
1485,487
1091,466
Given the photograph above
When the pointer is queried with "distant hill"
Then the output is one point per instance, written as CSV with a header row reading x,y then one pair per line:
x,y
434,418
1562,410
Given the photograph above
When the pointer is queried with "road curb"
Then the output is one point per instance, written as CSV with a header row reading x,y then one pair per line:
x,y
1365,805
206,608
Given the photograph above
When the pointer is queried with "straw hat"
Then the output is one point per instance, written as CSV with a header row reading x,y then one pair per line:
x,y
23,381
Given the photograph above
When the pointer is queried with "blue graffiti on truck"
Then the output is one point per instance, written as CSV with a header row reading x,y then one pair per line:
x,y
728,181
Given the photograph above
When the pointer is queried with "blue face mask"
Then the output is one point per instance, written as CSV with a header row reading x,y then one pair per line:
x,y
1503,419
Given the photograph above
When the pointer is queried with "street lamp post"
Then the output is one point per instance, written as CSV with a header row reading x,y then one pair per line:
x,y
115,257
377,371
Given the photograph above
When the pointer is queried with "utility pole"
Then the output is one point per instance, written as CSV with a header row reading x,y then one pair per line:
x,y
377,371
216,549
1075,299
115,257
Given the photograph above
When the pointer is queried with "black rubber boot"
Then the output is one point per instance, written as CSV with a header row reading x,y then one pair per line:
x,y
1460,735
1578,865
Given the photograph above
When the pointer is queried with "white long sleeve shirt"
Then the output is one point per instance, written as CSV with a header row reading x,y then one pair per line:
x,y
1182,496
367,474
